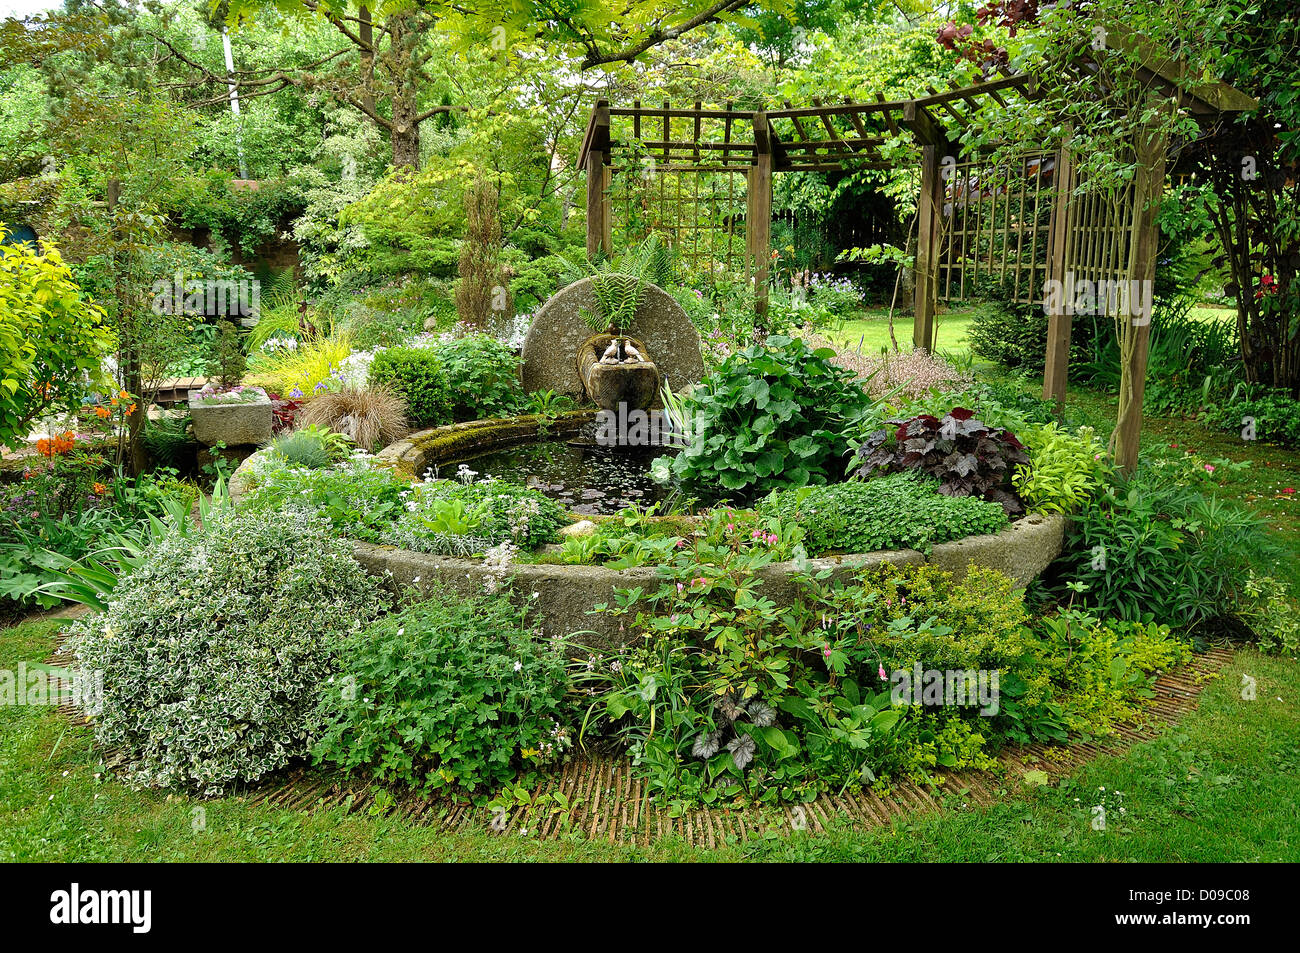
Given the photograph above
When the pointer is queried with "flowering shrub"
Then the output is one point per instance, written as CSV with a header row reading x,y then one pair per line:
x,y
449,693
216,651
907,375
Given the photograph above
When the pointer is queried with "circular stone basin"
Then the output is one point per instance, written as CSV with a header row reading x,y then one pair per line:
x,y
564,595
588,480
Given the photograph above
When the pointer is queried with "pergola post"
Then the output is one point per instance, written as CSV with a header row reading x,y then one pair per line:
x,y
599,221
929,222
1059,314
758,214
1148,184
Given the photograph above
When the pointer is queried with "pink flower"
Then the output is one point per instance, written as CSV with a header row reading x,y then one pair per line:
x,y
1289,490
1209,468
771,539
826,652
731,527
881,672
698,581
680,587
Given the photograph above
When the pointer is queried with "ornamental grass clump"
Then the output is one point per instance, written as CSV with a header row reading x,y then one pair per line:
x,y
214,653
368,416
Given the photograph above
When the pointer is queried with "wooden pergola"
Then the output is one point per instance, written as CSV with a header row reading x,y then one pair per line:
x,y
1023,225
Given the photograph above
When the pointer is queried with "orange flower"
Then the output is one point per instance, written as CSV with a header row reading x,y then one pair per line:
x,y
131,409
124,395
100,488
56,445
101,412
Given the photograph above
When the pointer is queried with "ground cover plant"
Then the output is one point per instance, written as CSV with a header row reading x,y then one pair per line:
x,y
449,693
900,511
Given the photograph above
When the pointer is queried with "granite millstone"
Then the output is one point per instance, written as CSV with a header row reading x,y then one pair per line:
x,y
559,331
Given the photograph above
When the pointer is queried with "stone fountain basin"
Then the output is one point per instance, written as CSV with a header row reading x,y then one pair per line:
x,y
567,595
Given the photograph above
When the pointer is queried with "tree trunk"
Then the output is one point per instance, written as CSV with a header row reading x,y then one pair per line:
x,y
405,132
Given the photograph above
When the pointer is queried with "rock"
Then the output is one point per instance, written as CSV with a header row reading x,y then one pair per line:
x,y
558,331
580,528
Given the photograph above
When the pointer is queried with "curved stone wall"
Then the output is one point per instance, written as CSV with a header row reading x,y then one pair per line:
x,y
567,595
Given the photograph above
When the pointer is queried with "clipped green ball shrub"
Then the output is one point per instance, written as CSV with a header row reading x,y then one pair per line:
x,y
215,652
418,377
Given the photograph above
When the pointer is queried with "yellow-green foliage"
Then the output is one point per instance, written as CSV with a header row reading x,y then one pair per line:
x,y
1272,614
314,362
942,741
1065,469
1101,671
977,623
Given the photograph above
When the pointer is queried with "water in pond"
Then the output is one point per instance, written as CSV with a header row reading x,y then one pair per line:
x,y
586,479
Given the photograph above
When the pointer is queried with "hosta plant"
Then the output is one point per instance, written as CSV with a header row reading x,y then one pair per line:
x,y
770,417
1065,469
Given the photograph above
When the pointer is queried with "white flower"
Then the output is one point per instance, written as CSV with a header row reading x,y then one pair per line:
x,y
518,665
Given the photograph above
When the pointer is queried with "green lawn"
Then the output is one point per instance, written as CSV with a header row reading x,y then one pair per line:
x,y
1221,786
871,331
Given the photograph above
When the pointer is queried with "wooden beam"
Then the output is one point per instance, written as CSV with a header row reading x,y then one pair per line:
x,y
1057,370
598,217
929,234
927,130
758,213
1148,183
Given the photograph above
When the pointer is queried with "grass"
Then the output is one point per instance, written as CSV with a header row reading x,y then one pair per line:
x,y
1220,786
871,331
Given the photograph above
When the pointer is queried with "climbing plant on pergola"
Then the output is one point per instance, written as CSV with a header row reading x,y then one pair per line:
x,y
703,177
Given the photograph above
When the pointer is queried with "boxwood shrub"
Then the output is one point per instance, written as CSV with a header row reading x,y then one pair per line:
x,y
418,377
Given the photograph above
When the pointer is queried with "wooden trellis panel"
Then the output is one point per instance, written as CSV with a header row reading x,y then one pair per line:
x,y
995,226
